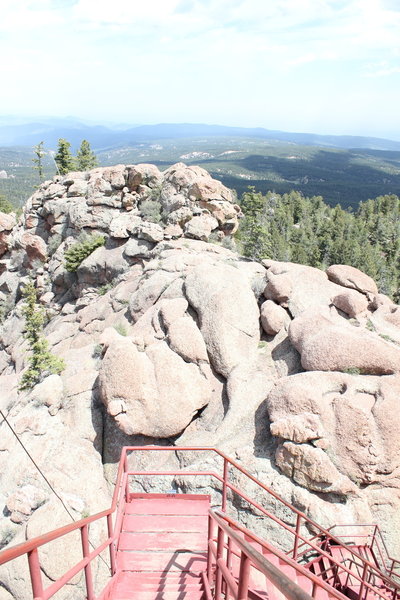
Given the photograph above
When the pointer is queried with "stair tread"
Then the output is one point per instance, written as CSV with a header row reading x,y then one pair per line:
x,y
193,523
158,585
164,504
163,540
171,560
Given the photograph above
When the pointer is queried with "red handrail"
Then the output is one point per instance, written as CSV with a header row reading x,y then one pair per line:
x,y
30,548
300,568
121,492
377,540
299,514
249,557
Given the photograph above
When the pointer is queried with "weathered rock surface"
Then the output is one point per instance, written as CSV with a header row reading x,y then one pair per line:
x,y
273,317
328,343
351,418
230,329
170,339
351,277
155,393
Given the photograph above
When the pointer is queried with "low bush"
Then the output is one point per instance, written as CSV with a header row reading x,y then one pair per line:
x,y
81,250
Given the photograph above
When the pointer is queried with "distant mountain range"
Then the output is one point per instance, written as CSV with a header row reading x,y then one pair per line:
x,y
15,131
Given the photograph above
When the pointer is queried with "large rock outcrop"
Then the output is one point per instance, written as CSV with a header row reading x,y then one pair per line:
x,y
170,339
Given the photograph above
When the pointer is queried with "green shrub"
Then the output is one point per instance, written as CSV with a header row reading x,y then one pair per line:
x,y
387,338
352,371
151,211
54,243
121,329
6,307
41,362
370,326
81,250
5,205
97,351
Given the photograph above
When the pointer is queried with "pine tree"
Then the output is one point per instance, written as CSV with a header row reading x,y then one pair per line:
x,y
38,163
64,160
41,362
5,205
86,159
255,237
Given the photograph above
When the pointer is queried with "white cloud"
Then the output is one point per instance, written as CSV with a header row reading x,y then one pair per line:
x,y
381,69
123,12
190,55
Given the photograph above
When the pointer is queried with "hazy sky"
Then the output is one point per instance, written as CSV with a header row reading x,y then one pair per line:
x,y
324,66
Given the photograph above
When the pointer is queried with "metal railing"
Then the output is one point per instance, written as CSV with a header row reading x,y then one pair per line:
x,y
371,536
301,545
221,549
31,547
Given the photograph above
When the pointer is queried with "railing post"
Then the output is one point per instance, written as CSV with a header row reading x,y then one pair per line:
x,y
209,553
224,486
244,577
110,530
374,536
220,550
229,565
363,580
391,567
314,590
296,537
88,568
126,469
36,576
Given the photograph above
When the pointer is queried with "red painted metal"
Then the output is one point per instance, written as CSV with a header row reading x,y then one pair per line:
x,y
296,539
358,569
35,573
244,577
88,569
275,556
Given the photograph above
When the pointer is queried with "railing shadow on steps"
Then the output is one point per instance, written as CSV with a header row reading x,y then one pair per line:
x,y
301,544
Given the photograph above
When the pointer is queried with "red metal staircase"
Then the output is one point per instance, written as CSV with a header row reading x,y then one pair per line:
x,y
175,546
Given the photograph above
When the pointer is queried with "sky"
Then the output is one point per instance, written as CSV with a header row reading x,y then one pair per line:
x,y
321,66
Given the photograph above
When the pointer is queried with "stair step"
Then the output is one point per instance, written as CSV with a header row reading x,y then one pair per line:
x,y
164,540
154,585
155,595
304,582
184,523
172,560
164,504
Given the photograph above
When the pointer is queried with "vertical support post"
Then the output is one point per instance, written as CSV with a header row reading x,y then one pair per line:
x,y
224,486
110,530
36,576
296,537
209,553
374,537
314,590
220,550
363,580
229,565
391,567
88,568
126,469
244,577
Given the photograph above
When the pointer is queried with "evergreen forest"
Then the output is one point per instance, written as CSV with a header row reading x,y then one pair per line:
x,y
295,228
